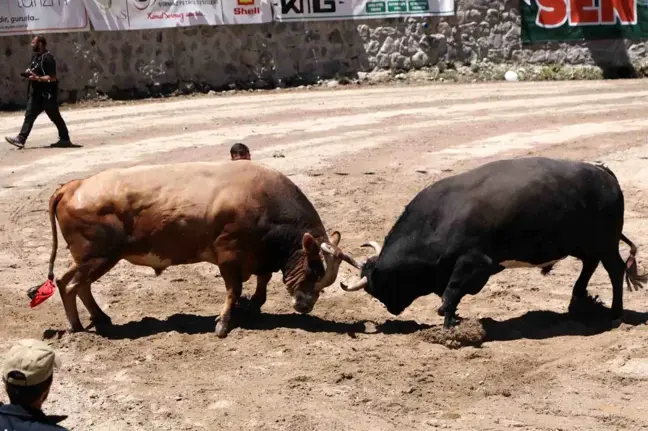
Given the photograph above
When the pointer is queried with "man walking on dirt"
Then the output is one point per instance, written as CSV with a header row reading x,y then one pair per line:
x,y
27,373
44,95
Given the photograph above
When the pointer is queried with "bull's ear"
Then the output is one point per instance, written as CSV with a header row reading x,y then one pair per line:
x,y
335,238
310,245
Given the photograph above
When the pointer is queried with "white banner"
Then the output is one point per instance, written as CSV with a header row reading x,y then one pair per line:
x,y
321,10
42,16
246,11
151,14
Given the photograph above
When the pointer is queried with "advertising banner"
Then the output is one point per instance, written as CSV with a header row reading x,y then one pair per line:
x,y
320,10
42,16
246,11
568,20
150,14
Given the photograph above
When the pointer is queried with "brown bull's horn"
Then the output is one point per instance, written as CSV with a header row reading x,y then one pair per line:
x,y
356,286
351,261
327,248
374,245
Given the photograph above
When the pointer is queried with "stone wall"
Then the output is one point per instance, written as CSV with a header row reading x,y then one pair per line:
x,y
140,63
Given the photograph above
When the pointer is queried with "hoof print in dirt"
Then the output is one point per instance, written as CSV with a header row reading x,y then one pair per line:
x,y
468,332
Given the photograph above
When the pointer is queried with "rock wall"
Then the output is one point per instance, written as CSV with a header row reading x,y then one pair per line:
x,y
142,63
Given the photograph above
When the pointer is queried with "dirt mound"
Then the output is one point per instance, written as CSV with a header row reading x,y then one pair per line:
x,y
469,332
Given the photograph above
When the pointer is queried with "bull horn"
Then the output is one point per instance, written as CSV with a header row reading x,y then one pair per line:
x,y
373,244
327,248
355,286
351,261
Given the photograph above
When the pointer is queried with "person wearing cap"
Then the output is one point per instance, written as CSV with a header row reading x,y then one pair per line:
x,y
240,151
28,372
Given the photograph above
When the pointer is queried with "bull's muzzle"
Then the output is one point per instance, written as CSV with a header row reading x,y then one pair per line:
x,y
303,302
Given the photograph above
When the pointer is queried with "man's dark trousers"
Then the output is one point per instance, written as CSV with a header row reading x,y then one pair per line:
x,y
38,103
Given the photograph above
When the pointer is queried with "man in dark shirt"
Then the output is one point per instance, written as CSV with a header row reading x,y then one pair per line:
x,y
27,373
44,95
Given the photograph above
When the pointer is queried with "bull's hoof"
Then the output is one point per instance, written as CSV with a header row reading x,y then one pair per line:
x,y
249,305
102,324
103,320
588,308
584,304
75,329
255,306
221,330
449,322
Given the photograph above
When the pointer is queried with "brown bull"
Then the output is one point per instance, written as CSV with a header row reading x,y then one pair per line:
x,y
244,217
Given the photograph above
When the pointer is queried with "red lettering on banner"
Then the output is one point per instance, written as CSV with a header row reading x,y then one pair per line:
x,y
625,10
583,12
551,13
554,13
245,11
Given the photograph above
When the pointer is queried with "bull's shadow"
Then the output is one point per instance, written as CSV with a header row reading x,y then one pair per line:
x,y
194,324
536,325
182,323
533,325
305,322
544,324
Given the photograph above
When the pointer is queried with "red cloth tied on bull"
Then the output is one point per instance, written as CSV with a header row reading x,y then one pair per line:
x,y
46,290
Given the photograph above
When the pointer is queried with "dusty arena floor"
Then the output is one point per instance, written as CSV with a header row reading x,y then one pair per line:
x,y
360,155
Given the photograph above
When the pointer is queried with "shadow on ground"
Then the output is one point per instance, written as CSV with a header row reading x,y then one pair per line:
x,y
539,325
534,325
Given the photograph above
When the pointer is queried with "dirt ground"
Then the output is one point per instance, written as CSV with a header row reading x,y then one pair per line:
x,y
360,154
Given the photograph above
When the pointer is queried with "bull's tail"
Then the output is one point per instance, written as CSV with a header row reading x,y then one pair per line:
x,y
633,279
53,203
38,294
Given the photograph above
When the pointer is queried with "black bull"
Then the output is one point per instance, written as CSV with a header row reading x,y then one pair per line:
x,y
525,212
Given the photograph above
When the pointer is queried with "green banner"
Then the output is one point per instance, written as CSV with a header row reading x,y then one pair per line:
x,y
565,20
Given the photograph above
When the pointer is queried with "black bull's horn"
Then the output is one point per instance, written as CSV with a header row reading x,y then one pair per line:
x,y
373,244
363,281
355,286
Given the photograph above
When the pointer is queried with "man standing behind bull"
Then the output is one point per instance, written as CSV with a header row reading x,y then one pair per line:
x,y
44,95
240,151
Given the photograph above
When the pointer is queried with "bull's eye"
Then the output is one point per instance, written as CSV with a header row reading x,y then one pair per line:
x,y
312,275
315,271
